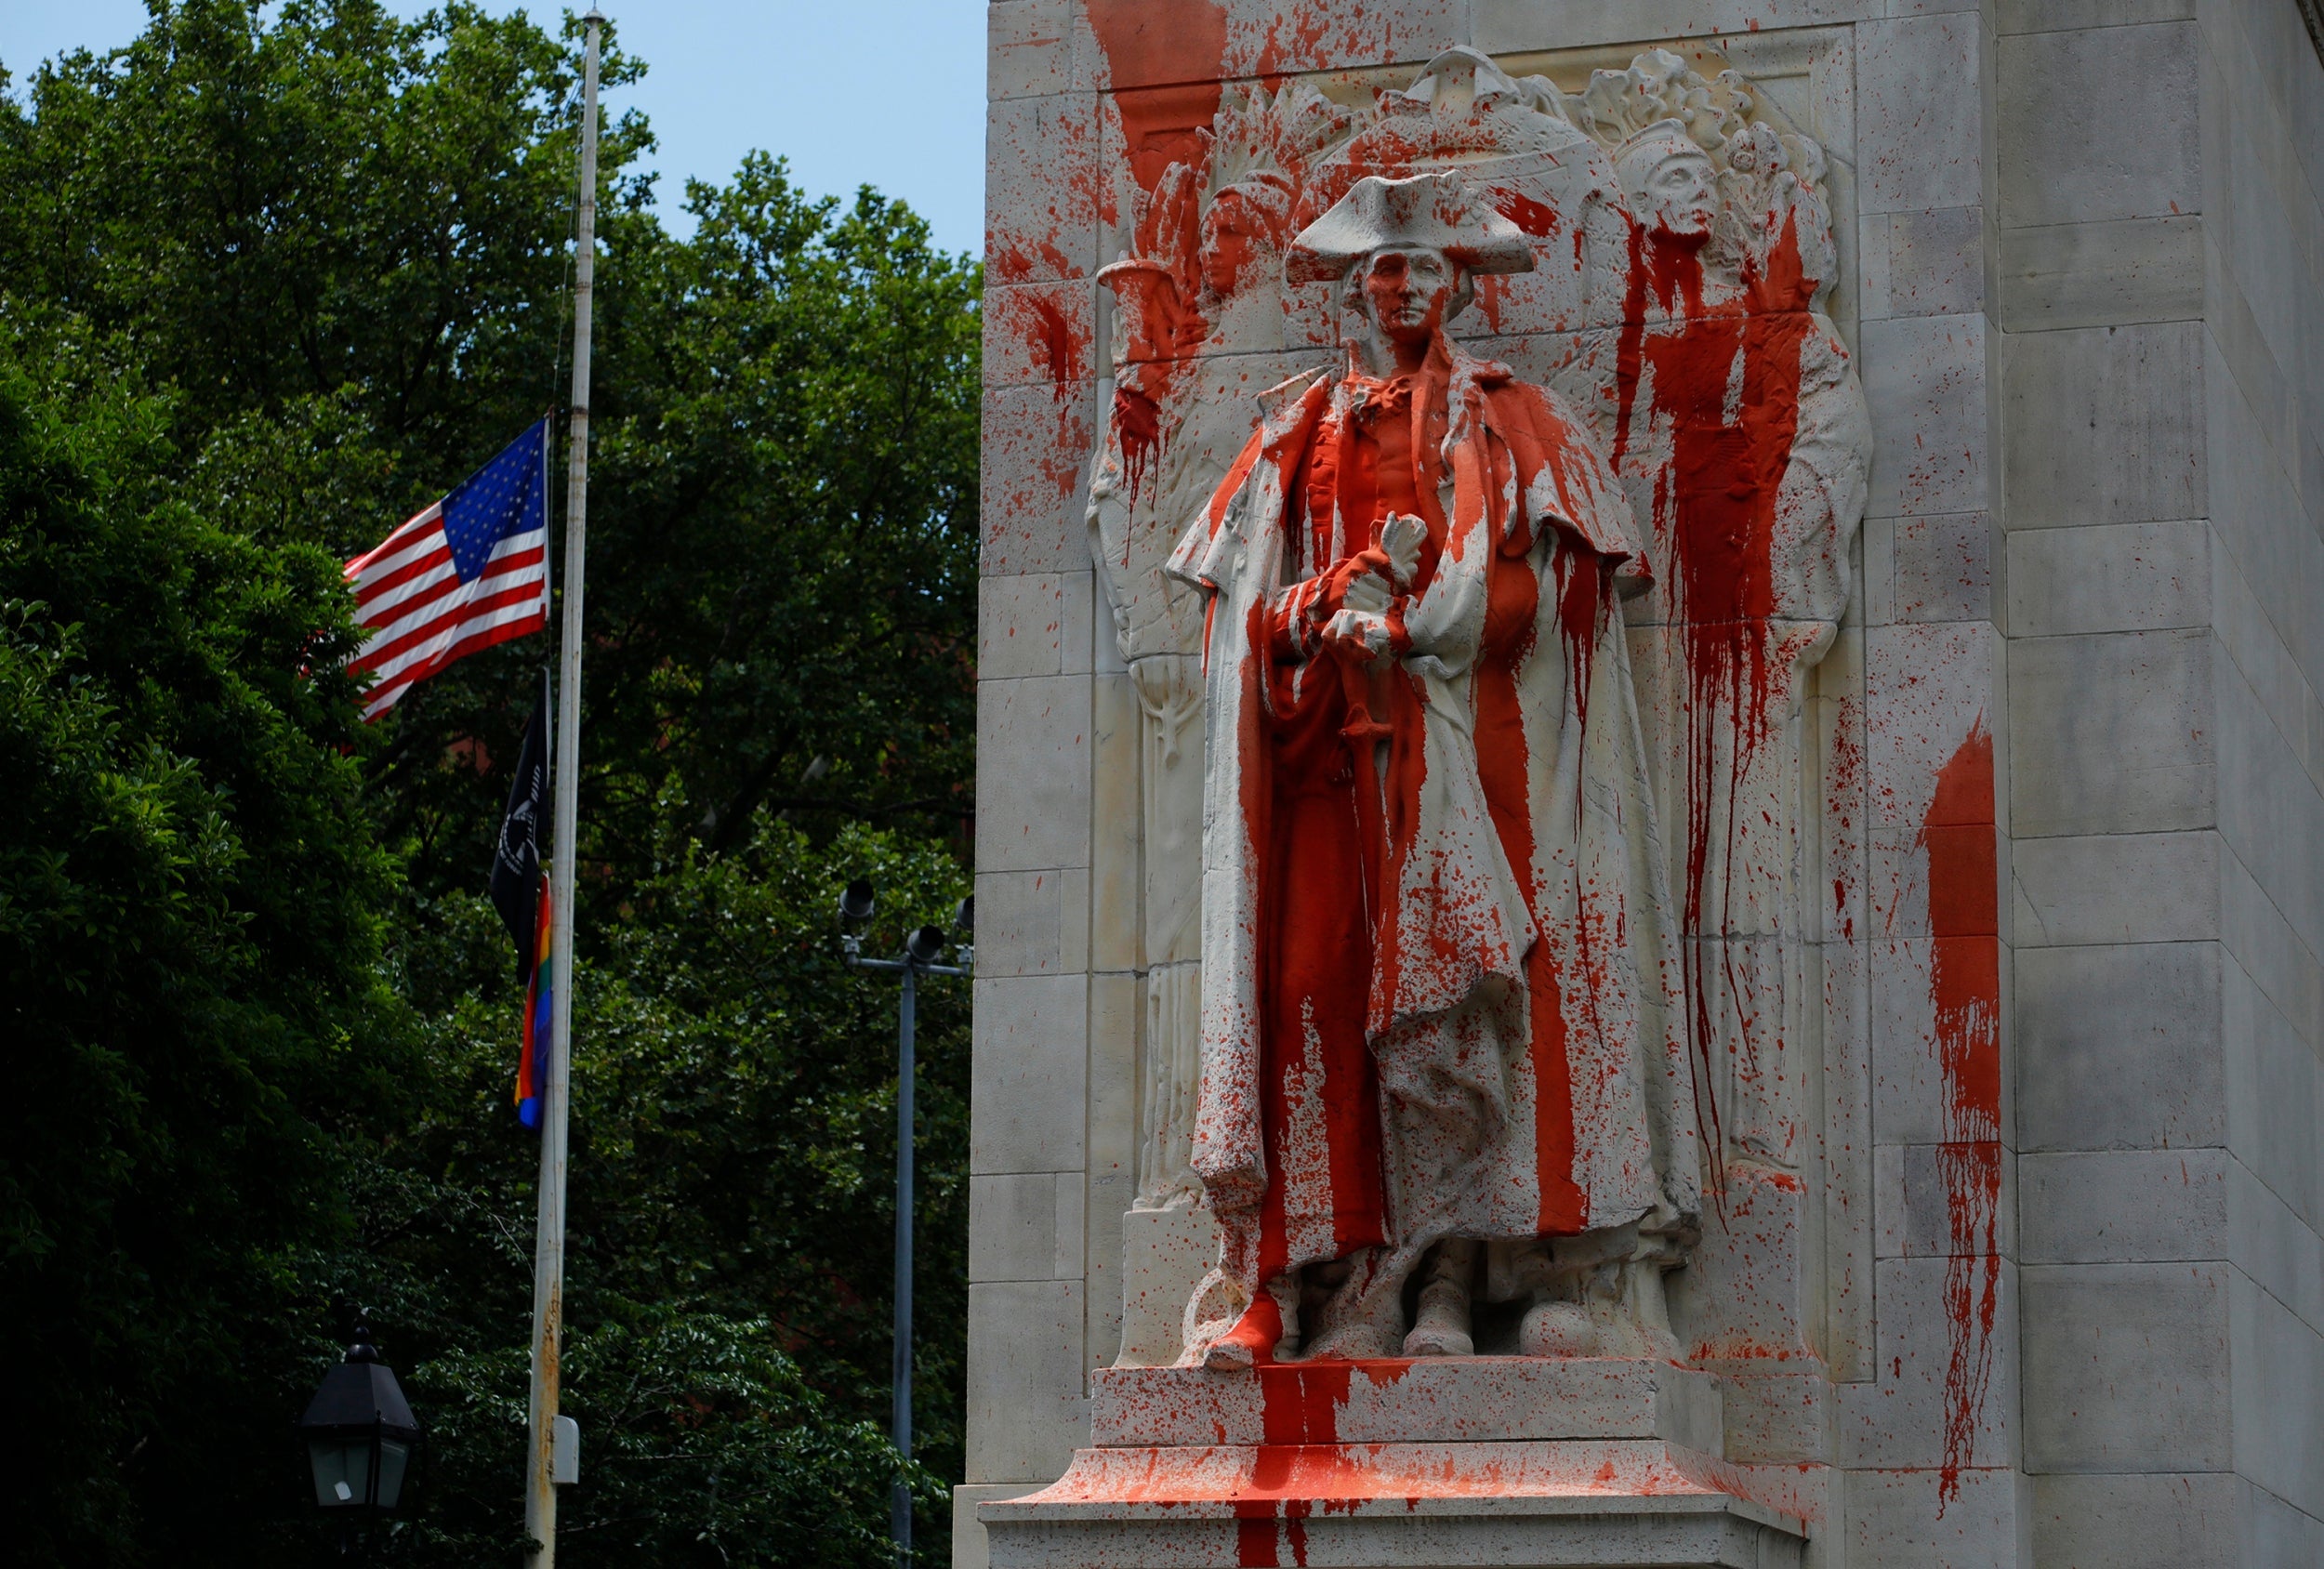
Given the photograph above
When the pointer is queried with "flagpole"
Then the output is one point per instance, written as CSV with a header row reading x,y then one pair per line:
x,y
548,1259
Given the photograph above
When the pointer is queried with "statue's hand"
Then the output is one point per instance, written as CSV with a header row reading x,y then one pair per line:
x,y
1361,582
1401,537
1365,633
1368,594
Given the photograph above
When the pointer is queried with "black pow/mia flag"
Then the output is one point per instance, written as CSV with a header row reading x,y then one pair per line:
x,y
516,879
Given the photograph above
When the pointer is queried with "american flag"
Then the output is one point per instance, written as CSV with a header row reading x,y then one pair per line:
x,y
470,572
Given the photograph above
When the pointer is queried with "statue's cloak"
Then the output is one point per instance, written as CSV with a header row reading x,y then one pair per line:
x,y
1533,1074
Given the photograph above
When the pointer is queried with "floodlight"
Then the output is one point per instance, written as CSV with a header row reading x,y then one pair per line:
x,y
856,902
926,944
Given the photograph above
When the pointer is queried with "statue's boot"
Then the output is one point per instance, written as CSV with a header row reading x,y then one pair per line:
x,y
1440,1327
1251,1341
1363,1317
1553,1327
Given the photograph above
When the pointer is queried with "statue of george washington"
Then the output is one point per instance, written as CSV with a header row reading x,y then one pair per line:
x,y
1439,1027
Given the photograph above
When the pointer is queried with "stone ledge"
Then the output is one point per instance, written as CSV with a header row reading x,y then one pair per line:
x,y
1453,1400
1619,1502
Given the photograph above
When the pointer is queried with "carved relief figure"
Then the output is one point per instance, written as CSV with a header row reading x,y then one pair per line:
x,y
1739,431
1198,330
1438,1030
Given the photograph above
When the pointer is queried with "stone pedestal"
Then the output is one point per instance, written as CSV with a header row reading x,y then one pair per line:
x,y
1165,1253
1507,1461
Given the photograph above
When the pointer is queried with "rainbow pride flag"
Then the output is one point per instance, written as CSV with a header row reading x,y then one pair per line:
x,y
533,1067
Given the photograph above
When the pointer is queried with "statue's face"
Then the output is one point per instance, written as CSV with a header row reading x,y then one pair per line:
x,y
1406,292
1229,248
1680,195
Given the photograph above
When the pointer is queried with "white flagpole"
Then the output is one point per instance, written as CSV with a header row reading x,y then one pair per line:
x,y
548,1259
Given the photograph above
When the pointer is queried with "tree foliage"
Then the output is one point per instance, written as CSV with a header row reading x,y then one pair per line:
x,y
329,202
733,1140
272,277
189,909
794,466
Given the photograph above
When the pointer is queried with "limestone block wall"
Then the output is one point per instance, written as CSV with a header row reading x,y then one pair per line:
x,y
2262,371
1031,1128
2084,253
1926,1434
2112,674
2159,253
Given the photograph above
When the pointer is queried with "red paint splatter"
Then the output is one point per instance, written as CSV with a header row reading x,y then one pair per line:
x,y
1277,58
1300,1401
1714,504
1163,60
1965,985
1054,344
1537,219
1297,1464
1585,590
1011,263
1138,422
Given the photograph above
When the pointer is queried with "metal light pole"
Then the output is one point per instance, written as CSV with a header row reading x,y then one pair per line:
x,y
921,950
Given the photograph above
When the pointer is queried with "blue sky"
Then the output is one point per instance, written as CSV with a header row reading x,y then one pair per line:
x,y
889,93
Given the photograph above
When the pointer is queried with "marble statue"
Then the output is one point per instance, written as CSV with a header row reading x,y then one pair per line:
x,y
1439,1029
1556,918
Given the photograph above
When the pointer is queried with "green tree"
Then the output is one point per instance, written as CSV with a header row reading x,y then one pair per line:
x,y
783,534
733,1160
332,245
326,204
189,925
791,518
345,238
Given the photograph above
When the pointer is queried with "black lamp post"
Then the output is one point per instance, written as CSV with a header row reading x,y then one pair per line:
x,y
922,948
359,1433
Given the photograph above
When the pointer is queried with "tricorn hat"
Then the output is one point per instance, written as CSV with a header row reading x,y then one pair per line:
x,y
1432,210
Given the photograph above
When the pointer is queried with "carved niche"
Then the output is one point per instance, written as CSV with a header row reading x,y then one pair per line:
x,y
1678,303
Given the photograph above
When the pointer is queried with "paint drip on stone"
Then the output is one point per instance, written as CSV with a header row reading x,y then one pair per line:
x,y
1965,983
1726,376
